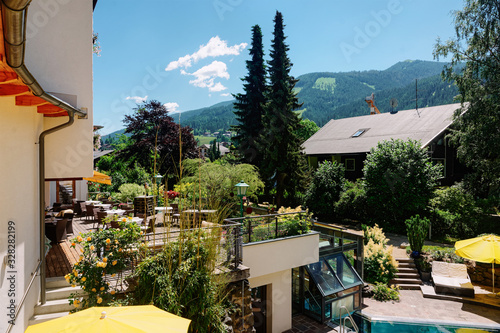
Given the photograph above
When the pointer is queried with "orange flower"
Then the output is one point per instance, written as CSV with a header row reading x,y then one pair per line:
x,y
73,244
84,279
92,248
99,300
112,292
93,289
79,238
89,239
105,259
101,289
114,262
108,241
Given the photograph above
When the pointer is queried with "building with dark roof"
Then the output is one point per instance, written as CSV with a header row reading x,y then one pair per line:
x,y
349,140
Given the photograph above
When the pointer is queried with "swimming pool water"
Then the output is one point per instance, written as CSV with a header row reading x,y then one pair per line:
x,y
367,325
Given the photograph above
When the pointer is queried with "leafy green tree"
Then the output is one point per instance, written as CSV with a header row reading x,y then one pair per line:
x,y
306,129
283,161
152,128
476,42
400,180
325,188
249,107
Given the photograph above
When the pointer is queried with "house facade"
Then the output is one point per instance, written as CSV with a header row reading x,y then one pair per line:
x,y
46,133
349,140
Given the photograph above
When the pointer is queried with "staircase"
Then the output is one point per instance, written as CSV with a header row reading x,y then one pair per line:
x,y
407,277
56,305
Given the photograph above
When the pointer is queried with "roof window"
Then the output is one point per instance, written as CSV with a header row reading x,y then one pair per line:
x,y
359,132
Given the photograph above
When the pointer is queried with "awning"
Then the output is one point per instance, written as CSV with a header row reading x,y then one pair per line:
x,y
99,178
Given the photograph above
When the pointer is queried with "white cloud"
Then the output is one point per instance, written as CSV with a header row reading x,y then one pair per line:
x,y
137,99
214,48
225,94
171,107
205,76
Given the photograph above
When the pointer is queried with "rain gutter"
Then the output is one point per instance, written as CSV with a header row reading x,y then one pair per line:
x,y
14,17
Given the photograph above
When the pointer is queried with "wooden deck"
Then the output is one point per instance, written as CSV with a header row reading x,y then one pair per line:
x,y
62,256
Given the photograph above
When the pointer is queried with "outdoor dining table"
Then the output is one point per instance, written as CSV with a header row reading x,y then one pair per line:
x,y
115,211
92,202
104,206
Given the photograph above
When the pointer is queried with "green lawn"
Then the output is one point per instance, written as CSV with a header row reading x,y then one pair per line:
x,y
204,139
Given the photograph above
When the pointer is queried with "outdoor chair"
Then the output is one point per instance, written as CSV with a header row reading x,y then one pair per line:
x,y
175,214
101,215
89,212
450,278
69,225
56,232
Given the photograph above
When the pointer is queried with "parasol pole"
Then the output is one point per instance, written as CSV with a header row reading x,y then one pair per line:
x,y
493,272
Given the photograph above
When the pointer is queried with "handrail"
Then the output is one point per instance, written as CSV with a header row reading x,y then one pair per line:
x,y
342,325
21,303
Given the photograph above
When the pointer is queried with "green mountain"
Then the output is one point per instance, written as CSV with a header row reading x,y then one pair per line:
x,y
340,95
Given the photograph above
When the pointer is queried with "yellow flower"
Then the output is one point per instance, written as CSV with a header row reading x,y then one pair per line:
x,y
76,263
79,238
89,239
114,262
93,289
113,275
81,250
81,257
112,292
124,220
73,285
99,300
105,259
101,289
116,241
108,241
92,247
84,279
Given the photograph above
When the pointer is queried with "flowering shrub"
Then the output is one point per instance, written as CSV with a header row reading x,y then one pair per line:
x,y
383,293
379,264
376,234
172,194
103,252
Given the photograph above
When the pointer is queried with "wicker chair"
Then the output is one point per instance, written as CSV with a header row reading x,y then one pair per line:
x,y
89,212
100,218
69,225
56,232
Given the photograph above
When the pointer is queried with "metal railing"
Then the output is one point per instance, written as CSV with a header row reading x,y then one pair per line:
x,y
265,227
21,302
348,317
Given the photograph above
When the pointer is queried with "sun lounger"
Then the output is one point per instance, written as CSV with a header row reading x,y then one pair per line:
x,y
451,279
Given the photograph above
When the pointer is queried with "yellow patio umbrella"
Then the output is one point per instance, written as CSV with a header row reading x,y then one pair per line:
x,y
484,248
124,319
99,178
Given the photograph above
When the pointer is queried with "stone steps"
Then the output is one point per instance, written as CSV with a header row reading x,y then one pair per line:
x,y
57,304
407,277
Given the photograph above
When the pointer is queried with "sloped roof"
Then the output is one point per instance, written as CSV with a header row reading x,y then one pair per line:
x,y
336,137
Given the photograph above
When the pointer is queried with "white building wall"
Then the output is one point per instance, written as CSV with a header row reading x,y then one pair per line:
x,y
18,203
270,265
59,55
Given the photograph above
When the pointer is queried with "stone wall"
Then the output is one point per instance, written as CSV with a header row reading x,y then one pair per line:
x,y
481,273
241,319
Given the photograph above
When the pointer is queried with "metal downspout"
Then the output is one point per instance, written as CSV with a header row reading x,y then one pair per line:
x,y
41,186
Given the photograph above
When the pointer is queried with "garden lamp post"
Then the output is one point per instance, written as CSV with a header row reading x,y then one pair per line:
x,y
241,191
158,178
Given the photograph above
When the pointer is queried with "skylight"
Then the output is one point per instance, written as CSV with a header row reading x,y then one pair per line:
x,y
358,133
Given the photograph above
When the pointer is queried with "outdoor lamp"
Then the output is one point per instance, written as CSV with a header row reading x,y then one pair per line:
x,y
241,191
158,178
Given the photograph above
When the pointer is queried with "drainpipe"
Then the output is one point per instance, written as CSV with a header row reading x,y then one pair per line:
x,y
41,186
14,17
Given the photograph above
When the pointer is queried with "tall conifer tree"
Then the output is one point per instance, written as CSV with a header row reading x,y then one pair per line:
x,y
250,105
282,167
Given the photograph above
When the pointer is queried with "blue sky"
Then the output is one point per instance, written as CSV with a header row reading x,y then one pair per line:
x,y
190,54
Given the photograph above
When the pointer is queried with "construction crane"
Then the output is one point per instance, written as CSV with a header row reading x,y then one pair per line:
x,y
371,102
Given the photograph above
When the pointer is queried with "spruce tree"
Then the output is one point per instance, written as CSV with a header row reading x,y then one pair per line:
x,y
283,161
249,107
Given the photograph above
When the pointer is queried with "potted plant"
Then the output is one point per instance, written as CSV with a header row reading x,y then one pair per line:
x,y
424,267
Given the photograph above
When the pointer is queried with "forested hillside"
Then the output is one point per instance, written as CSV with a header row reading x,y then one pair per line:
x,y
340,95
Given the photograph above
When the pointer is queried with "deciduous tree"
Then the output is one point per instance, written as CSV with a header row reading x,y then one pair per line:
x,y
477,134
